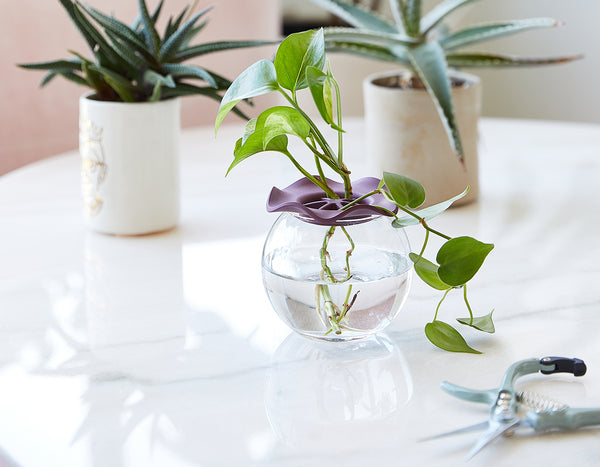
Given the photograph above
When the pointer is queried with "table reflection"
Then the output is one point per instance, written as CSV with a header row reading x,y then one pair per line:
x,y
133,289
346,389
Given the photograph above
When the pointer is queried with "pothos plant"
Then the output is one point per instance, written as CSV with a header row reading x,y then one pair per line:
x,y
298,65
135,63
424,44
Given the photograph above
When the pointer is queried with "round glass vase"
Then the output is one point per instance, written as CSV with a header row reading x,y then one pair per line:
x,y
340,282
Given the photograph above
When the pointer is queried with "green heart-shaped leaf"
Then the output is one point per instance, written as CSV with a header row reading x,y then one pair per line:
x,y
254,145
428,272
404,191
447,338
460,258
295,54
482,323
281,120
256,80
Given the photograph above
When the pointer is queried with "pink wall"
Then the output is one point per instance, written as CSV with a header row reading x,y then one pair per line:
x,y
37,123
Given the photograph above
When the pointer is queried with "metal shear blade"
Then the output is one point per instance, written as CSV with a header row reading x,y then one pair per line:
x,y
505,402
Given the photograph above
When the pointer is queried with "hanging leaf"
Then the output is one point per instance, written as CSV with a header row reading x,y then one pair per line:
x,y
404,191
482,323
447,338
460,258
427,213
281,120
253,144
428,272
256,80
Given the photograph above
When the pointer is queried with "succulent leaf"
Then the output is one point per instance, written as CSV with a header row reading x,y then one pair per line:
x,y
412,17
430,64
357,16
484,32
372,37
120,84
150,33
482,59
125,56
368,51
174,42
183,71
210,47
439,12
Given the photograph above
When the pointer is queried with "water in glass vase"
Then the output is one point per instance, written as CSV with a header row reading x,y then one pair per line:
x,y
341,306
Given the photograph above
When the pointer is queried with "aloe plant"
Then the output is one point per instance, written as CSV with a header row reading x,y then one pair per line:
x,y
425,45
135,63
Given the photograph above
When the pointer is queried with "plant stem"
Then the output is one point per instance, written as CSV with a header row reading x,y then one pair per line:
x,y
321,184
424,244
440,303
467,303
422,222
359,199
323,254
348,253
338,102
329,158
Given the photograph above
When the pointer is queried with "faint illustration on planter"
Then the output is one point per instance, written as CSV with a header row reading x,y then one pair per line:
x,y
93,166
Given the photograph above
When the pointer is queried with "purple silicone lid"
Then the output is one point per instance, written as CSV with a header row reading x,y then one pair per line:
x,y
307,199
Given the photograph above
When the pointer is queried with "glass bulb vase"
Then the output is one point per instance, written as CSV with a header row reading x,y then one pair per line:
x,y
337,282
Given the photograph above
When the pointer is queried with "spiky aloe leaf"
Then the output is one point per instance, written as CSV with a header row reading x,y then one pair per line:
x,y
210,47
435,16
101,49
368,51
174,24
484,32
131,62
119,83
54,65
150,33
429,62
477,59
183,71
69,6
356,15
75,78
117,27
412,17
172,45
369,37
397,8
184,89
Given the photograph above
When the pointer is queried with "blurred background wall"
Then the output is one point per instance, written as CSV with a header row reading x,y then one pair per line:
x,y
38,123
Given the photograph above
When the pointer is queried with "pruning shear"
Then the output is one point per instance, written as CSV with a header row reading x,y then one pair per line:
x,y
505,402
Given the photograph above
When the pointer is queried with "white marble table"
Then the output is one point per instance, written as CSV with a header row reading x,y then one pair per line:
x,y
163,350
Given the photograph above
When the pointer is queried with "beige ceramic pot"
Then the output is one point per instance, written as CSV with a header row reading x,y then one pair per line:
x,y
405,135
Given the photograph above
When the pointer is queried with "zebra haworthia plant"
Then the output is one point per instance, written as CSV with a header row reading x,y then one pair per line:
x,y
135,63
424,44
300,64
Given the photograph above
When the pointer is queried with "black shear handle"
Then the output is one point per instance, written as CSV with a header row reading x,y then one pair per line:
x,y
574,366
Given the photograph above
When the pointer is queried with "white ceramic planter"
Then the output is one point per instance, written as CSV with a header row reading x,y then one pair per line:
x,y
130,165
405,135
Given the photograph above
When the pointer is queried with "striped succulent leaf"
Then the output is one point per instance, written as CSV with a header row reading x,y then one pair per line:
x,y
410,40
